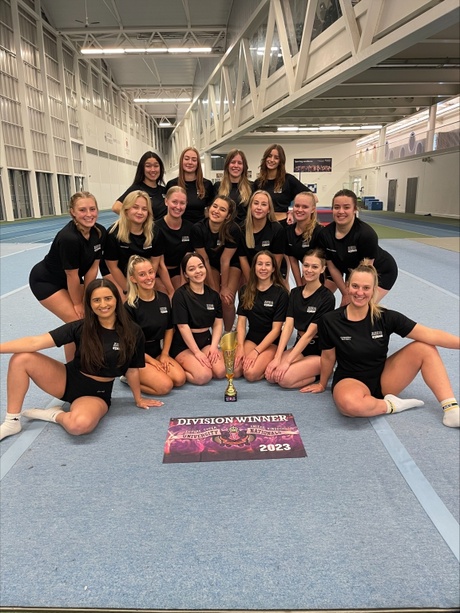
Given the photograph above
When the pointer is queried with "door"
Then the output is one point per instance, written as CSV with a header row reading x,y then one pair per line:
x,y
391,202
411,194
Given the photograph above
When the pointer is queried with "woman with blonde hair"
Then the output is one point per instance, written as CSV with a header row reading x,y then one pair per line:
x,y
151,310
367,381
302,235
235,183
200,191
262,307
260,232
59,280
134,233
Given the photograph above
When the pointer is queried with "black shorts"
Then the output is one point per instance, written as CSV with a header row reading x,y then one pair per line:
x,y
387,272
373,383
44,284
153,348
258,337
311,349
78,385
174,272
202,339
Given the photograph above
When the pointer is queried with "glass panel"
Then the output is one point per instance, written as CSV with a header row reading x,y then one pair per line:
x,y
20,193
45,193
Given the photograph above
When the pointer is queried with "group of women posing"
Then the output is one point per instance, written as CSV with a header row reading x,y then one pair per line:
x,y
125,325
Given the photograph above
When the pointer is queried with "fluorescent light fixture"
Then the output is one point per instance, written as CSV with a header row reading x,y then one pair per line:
x,y
162,99
326,128
140,50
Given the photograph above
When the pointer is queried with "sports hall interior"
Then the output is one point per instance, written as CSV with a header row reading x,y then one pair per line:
x,y
369,519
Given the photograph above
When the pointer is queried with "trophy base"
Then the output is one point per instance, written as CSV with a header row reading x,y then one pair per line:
x,y
232,398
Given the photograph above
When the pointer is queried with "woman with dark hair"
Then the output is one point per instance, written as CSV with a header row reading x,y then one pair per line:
x,y
348,240
197,317
260,231
298,366
367,381
200,191
148,178
59,280
134,233
274,179
302,234
216,239
108,344
262,307
235,183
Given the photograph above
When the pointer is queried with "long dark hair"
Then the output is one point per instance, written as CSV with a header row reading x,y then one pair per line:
x,y
140,173
183,265
280,171
224,230
200,189
250,292
92,350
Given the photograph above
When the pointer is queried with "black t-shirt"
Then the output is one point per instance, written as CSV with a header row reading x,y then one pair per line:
x,y
361,346
196,310
241,207
157,197
195,205
154,318
70,250
71,333
282,198
346,253
306,311
176,242
271,237
116,250
204,238
296,246
269,306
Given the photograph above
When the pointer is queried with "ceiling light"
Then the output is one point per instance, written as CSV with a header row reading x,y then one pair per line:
x,y
141,50
165,123
162,100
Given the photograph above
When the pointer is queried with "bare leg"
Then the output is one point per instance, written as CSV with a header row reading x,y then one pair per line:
x,y
301,372
256,372
84,415
354,399
194,371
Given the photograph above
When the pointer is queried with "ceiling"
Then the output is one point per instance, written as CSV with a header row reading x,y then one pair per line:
x,y
402,84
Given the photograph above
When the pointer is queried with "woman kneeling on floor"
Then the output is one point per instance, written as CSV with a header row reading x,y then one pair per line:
x,y
366,381
108,344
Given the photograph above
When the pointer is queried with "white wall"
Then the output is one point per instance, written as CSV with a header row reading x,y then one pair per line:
x,y
328,183
107,179
438,182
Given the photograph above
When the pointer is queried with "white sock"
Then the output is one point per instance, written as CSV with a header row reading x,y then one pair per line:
x,y
396,405
11,425
43,414
451,417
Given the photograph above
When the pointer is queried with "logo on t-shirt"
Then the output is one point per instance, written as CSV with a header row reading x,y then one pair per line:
x,y
305,244
97,247
265,243
185,239
164,310
311,309
352,249
268,303
345,338
377,334
210,307
116,346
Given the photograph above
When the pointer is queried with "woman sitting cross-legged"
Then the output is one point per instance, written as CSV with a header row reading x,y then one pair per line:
x,y
197,316
151,310
262,307
367,381
108,344
299,365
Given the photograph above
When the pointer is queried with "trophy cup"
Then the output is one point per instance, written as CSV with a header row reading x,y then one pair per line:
x,y
228,345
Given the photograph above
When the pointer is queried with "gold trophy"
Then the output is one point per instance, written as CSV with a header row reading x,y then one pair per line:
x,y
228,345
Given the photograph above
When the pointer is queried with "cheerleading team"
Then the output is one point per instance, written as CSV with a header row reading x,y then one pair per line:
x,y
59,280
149,178
235,183
108,344
262,308
366,381
151,310
200,191
176,232
348,240
260,232
197,318
134,233
302,235
273,178
216,239
300,365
